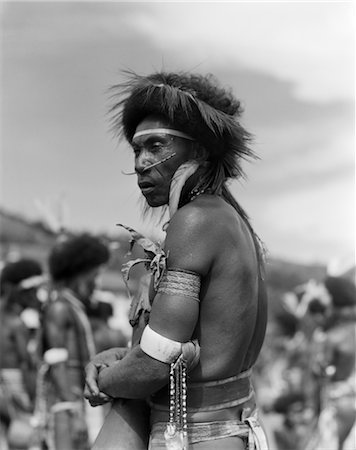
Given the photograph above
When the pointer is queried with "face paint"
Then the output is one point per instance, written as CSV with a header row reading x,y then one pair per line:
x,y
159,150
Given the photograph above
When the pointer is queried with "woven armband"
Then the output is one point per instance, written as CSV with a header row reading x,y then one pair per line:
x,y
159,347
180,282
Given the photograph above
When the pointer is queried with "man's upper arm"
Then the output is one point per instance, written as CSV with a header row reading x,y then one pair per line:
x,y
175,315
21,336
56,323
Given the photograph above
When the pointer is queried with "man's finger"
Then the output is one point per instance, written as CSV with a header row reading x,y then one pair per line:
x,y
91,377
98,401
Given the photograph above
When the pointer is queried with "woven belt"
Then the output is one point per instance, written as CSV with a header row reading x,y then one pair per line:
x,y
211,395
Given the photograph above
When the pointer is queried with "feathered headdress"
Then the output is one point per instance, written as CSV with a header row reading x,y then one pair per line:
x,y
194,104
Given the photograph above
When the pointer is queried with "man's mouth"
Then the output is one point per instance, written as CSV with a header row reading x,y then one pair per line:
x,y
146,187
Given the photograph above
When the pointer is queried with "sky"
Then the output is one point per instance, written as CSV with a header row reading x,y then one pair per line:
x,y
292,65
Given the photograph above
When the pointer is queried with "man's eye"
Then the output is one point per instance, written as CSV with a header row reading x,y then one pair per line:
x,y
156,146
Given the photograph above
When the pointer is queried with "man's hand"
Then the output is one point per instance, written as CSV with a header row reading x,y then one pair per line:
x,y
91,390
191,353
92,370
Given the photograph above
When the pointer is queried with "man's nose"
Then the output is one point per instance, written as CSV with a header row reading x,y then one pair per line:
x,y
142,161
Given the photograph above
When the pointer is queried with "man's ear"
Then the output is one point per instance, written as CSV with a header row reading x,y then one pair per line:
x,y
200,153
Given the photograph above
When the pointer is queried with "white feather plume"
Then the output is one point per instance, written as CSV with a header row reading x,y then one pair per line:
x,y
180,176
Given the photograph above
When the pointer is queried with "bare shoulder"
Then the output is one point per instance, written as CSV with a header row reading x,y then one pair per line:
x,y
191,218
196,233
205,217
58,312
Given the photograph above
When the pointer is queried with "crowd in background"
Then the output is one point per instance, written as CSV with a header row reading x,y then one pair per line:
x,y
54,318
306,376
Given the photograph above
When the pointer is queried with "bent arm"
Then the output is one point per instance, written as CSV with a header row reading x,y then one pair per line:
x,y
137,375
173,316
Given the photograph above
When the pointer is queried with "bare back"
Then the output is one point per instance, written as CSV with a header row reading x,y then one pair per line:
x,y
61,330
216,243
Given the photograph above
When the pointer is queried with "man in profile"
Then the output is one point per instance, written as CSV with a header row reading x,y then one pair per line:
x,y
207,283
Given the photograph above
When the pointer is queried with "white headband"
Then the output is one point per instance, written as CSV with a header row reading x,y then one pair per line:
x,y
32,282
165,131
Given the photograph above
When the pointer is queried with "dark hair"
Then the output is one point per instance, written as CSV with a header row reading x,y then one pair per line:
x,y
76,255
342,291
15,272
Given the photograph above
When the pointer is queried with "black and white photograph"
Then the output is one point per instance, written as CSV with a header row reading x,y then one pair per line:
x,y
177,225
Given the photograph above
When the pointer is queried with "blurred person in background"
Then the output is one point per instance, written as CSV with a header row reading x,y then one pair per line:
x,y
335,357
207,283
327,310
19,319
293,406
100,311
75,264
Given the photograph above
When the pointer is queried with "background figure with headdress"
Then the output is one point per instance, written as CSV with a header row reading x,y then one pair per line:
x,y
75,263
19,283
207,289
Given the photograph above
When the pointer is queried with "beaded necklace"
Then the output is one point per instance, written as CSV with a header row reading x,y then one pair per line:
x,y
194,193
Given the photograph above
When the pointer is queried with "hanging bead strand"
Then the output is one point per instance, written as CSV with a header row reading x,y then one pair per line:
x,y
184,404
176,431
172,397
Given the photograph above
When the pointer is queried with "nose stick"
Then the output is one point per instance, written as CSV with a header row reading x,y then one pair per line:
x,y
159,162
151,165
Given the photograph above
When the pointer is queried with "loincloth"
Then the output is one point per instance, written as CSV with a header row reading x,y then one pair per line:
x,y
250,432
215,410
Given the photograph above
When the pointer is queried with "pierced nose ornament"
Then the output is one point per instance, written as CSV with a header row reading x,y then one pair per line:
x,y
161,161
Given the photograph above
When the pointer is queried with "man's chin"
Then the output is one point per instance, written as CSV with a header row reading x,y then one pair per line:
x,y
155,202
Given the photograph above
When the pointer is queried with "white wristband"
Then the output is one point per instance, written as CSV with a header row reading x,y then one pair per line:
x,y
159,347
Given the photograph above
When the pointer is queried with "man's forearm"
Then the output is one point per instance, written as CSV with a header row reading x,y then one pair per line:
x,y
110,356
137,375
